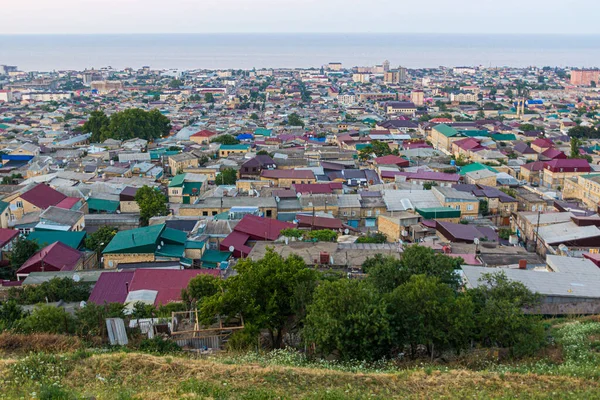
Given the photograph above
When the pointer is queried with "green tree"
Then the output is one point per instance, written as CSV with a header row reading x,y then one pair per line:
x,y
348,317
22,250
175,84
424,311
509,93
295,120
152,203
254,116
270,293
429,185
10,313
575,144
47,319
136,123
200,288
98,240
209,98
480,115
95,125
226,177
225,139
484,208
91,318
373,237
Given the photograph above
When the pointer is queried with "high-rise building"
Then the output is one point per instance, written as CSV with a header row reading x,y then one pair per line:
x,y
335,66
585,77
395,75
386,66
417,97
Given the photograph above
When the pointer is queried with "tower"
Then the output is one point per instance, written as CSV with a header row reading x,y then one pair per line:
x,y
386,66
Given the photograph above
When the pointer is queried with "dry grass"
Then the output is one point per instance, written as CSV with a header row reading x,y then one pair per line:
x,y
150,377
14,343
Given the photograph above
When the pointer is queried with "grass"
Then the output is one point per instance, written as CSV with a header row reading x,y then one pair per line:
x,y
569,371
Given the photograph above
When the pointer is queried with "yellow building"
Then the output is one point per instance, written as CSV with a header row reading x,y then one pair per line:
x,y
227,150
181,161
463,201
585,188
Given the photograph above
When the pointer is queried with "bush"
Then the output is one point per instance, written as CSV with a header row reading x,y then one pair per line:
x,y
158,345
91,318
376,237
56,289
47,319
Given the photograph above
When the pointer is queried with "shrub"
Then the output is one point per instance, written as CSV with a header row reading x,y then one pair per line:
x,y
158,345
56,289
45,318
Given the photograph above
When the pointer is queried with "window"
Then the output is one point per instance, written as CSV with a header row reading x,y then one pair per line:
x,y
293,182
19,204
377,212
205,213
470,207
214,213
353,213
175,192
369,213
457,207
575,169
269,213
345,213
533,208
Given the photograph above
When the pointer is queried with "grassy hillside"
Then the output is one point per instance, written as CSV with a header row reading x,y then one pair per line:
x,y
565,370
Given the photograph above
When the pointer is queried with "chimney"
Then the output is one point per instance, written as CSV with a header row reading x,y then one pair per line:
x,y
522,264
127,286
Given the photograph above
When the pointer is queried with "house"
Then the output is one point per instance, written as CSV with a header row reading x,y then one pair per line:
x,y
481,177
421,177
60,219
187,188
5,214
391,160
39,198
252,168
233,206
552,154
400,107
525,151
127,203
318,188
151,286
585,188
287,177
252,228
400,226
555,172
229,149
73,239
7,238
442,136
202,137
181,161
540,145
151,243
463,201
460,233
55,257
567,285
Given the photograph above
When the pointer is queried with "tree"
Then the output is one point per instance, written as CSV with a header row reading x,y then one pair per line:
x,y
47,319
152,203
375,237
136,123
389,272
376,148
201,287
295,120
175,84
10,313
98,240
270,293
509,93
575,144
480,115
423,311
348,317
97,122
226,139
91,318
254,116
209,98
484,208
226,177
429,185
22,250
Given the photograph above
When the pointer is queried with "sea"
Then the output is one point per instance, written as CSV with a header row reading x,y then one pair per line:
x,y
246,51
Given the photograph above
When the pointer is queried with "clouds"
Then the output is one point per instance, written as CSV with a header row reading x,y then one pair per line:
x,y
211,16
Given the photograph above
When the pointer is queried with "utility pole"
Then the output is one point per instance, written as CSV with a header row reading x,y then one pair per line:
x,y
537,231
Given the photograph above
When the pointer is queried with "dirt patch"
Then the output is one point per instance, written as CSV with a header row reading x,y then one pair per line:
x,y
14,343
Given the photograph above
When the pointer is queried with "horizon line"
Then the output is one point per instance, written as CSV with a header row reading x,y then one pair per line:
x,y
297,33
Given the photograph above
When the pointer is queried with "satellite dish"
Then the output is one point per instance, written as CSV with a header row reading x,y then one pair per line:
x,y
277,199
111,263
76,278
298,195
162,243
231,248
476,240
82,304
346,231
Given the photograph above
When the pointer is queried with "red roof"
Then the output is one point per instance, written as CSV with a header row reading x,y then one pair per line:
x,y
167,282
56,257
392,160
238,241
288,174
260,228
568,165
204,133
553,153
543,143
467,144
111,287
43,196
6,235
319,222
68,203
317,188
534,166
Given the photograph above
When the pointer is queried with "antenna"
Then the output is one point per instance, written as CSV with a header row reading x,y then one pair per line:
x,y
76,278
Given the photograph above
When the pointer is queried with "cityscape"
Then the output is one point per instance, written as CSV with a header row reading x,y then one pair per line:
x,y
335,232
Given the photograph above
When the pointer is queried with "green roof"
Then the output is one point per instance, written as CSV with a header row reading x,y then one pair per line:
x,y
192,188
475,167
156,154
221,216
195,244
171,250
503,136
3,205
173,236
446,130
263,132
71,239
139,240
475,132
110,206
3,126
360,146
177,180
212,258
234,147
438,212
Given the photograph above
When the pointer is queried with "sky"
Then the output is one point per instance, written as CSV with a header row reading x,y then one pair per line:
x,y
295,16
